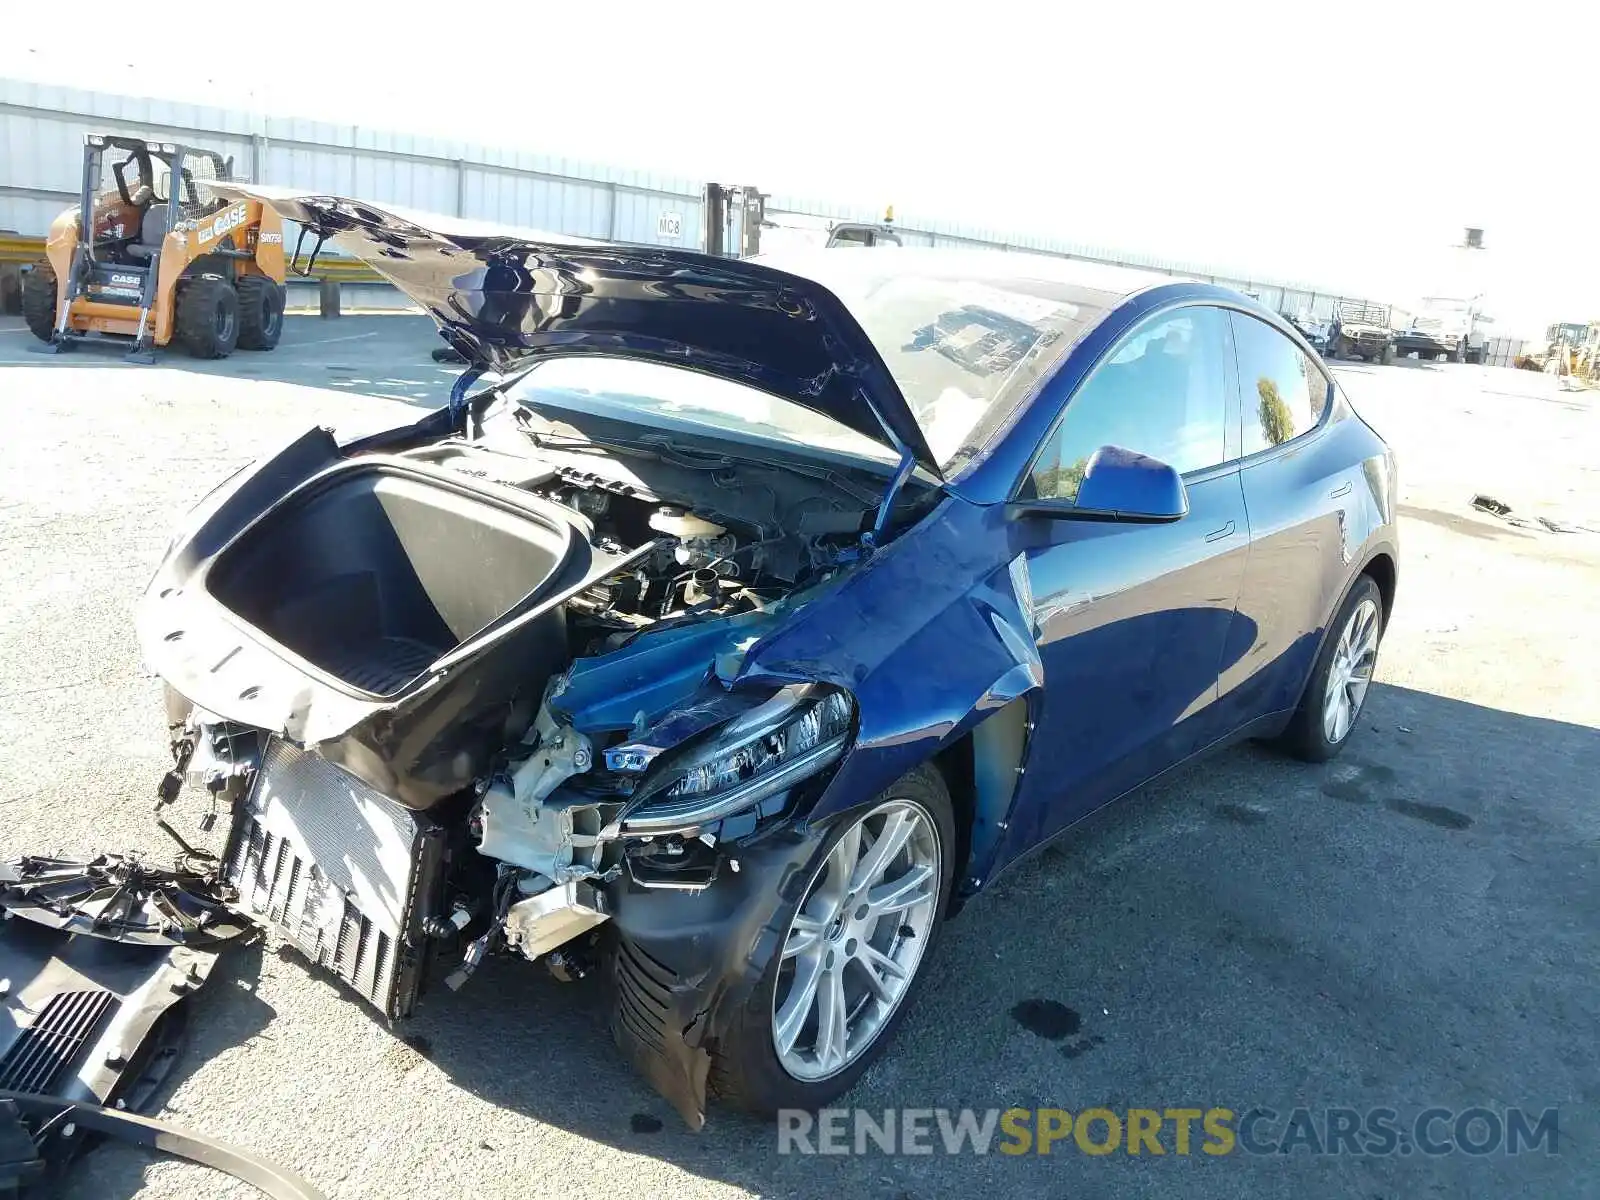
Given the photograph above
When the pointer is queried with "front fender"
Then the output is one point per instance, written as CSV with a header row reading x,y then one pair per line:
x,y
953,593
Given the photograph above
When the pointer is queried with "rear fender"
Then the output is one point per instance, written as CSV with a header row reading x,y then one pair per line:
x,y
269,243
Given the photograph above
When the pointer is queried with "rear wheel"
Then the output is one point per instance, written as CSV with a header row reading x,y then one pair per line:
x,y
850,955
260,313
208,317
39,300
1339,682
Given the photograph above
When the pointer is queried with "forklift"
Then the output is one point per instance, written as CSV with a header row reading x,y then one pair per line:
x,y
165,257
737,225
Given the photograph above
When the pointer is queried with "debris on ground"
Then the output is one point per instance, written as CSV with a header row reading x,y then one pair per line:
x,y
1499,508
97,961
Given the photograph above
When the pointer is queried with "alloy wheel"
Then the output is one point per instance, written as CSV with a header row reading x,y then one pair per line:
x,y
854,944
1350,672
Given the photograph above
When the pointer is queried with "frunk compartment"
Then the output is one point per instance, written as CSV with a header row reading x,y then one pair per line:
x,y
377,570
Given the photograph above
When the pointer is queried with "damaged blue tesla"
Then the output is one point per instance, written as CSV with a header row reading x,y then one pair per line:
x,y
755,617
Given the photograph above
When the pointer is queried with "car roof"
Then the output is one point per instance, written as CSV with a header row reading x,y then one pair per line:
x,y
1100,284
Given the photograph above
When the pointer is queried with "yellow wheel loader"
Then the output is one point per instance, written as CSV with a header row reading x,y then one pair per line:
x,y
152,253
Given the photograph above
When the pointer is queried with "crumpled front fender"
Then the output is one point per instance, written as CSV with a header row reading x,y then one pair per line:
x,y
927,653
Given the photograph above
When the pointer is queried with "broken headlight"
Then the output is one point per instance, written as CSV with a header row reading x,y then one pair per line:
x,y
765,750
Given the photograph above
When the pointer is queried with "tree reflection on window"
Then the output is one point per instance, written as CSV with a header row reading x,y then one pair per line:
x,y
1277,423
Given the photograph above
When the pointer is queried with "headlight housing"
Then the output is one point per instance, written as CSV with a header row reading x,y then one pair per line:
x,y
774,745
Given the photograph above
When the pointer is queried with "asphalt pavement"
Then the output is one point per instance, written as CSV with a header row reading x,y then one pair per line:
x,y
1413,925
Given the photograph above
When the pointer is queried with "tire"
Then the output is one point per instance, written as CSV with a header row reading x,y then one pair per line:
x,y
746,1069
260,313
1311,735
208,317
39,300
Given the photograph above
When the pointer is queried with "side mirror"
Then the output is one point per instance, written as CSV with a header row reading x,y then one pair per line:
x,y
1120,485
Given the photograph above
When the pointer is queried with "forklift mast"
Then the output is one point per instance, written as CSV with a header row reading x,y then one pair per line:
x,y
733,220
736,217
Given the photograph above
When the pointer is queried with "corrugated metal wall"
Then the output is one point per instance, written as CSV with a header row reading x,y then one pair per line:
x,y
41,139
42,128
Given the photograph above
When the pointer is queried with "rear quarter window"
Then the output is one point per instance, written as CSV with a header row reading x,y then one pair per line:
x,y
1283,390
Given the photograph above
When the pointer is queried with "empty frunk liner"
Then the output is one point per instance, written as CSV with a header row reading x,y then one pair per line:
x,y
373,572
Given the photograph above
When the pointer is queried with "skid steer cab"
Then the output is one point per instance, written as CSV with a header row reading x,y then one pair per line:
x,y
153,253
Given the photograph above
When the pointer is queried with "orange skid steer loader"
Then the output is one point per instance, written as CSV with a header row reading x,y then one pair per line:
x,y
151,252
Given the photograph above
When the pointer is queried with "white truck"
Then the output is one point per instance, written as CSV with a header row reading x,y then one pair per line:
x,y
1444,327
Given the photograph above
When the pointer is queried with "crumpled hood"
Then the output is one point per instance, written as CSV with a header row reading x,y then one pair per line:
x,y
501,298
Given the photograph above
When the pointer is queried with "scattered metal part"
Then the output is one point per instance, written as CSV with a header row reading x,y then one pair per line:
x,y
1489,504
274,1181
571,963
553,917
119,898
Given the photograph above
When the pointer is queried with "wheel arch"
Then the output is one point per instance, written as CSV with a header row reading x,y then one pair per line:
x,y
1381,566
981,768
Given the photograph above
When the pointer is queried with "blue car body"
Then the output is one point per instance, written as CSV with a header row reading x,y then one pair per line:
x,y
1047,658
1118,650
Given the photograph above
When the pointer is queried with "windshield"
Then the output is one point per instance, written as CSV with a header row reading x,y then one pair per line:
x,y
654,394
965,336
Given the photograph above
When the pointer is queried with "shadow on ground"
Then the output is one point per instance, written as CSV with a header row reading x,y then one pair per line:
x,y
1413,924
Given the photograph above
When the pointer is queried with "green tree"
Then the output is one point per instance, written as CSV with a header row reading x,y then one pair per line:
x,y
1277,423
1060,482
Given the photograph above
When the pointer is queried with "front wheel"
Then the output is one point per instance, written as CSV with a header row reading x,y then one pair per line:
x,y
260,312
208,317
39,300
850,954
1341,678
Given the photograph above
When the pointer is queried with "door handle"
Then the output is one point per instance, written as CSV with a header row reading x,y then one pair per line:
x,y
1216,535
1342,490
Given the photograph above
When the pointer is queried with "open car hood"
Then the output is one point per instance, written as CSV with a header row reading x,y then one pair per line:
x,y
502,296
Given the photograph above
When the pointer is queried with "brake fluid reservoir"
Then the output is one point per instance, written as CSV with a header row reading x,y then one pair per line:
x,y
684,526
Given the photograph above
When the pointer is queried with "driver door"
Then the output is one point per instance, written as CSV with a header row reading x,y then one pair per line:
x,y
1132,619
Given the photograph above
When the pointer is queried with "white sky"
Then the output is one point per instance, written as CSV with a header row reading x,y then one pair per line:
x,y
1293,140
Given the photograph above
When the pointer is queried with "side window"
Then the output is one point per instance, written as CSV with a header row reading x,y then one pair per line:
x,y
1282,389
1160,393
